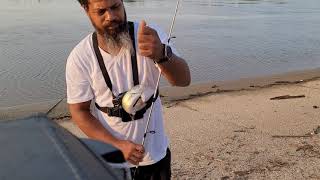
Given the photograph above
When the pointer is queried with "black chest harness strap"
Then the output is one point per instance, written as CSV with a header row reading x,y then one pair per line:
x,y
117,110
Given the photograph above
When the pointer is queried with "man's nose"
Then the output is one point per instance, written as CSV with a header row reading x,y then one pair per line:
x,y
110,15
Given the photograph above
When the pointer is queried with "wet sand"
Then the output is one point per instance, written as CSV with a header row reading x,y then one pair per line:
x,y
265,128
57,107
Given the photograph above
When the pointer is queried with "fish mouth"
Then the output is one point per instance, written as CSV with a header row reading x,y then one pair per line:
x,y
136,102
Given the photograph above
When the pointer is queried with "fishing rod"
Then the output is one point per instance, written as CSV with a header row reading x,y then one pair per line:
x,y
157,85
158,81
55,105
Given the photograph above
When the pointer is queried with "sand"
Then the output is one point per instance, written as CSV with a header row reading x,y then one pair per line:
x,y
245,135
223,131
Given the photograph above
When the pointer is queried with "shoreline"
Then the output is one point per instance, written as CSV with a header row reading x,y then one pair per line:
x,y
247,132
171,95
243,134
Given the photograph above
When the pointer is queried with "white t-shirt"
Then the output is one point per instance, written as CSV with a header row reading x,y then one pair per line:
x,y
85,82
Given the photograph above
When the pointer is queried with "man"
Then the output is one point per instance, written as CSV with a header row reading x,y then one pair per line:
x,y
89,67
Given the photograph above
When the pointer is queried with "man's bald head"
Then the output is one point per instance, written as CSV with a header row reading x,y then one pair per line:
x,y
84,3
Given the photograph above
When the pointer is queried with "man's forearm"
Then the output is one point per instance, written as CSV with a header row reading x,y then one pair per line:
x,y
176,71
82,116
93,128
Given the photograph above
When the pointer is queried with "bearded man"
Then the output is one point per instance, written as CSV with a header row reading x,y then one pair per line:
x,y
109,62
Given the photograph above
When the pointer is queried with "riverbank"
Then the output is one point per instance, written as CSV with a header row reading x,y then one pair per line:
x,y
268,131
57,108
266,128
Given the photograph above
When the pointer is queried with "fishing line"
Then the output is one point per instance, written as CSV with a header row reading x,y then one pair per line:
x,y
157,85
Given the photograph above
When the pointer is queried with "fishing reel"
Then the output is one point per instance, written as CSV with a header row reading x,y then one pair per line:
x,y
132,100
127,104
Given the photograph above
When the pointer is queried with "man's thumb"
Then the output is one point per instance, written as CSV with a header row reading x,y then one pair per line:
x,y
141,26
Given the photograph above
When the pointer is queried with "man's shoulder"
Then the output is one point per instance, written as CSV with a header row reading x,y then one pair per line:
x,y
82,49
81,53
85,43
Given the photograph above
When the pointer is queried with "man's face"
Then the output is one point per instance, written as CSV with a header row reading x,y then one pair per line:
x,y
107,16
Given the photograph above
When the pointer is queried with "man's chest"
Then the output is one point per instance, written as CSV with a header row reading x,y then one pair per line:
x,y
121,72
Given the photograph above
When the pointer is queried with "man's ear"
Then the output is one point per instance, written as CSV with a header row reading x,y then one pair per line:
x,y
86,8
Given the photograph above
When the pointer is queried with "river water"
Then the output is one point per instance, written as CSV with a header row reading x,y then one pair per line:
x,y
220,39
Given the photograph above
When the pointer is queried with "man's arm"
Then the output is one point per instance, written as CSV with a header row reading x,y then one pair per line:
x,y
176,71
82,116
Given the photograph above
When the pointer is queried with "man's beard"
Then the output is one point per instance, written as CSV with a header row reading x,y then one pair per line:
x,y
118,37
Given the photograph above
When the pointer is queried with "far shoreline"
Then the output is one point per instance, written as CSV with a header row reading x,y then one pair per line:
x,y
170,94
173,94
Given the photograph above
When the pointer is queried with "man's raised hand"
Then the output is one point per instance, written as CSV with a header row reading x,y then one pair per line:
x,y
149,43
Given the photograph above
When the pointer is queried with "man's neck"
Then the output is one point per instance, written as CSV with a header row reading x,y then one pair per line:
x,y
102,42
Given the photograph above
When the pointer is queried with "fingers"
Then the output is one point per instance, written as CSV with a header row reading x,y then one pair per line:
x,y
136,155
144,29
146,39
146,47
149,43
142,25
146,53
140,148
135,158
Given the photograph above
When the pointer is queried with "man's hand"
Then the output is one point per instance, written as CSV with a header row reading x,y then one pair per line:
x,y
133,153
149,43
176,71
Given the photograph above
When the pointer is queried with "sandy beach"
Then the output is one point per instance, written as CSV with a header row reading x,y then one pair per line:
x,y
266,128
243,134
221,127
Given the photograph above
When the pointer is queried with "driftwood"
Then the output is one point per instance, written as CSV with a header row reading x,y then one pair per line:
x,y
314,132
292,136
287,97
55,105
